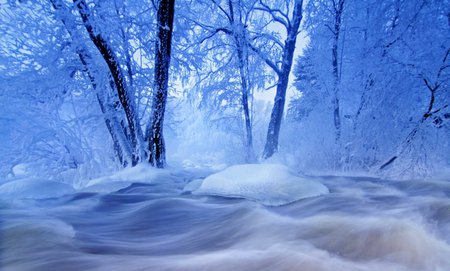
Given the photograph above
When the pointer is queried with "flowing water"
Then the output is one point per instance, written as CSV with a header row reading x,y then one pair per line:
x,y
363,224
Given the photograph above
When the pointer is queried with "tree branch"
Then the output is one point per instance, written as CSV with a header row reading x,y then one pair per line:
x,y
222,9
443,67
281,18
265,59
217,30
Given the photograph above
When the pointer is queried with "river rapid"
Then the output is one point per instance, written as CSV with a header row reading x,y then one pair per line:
x,y
363,224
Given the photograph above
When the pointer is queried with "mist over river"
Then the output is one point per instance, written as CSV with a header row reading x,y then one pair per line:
x,y
363,224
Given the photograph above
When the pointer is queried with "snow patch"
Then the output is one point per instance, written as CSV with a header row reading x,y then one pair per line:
x,y
34,189
19,170
268,184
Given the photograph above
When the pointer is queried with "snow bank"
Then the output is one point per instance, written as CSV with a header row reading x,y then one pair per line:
x,y
269,184
34,189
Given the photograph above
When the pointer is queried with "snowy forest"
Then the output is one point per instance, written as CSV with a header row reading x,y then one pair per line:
x,y
225,134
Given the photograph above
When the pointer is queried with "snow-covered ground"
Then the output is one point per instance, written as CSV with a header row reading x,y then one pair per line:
x,y
186,219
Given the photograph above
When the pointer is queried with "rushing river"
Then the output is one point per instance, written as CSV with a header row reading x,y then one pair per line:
x,y
363,224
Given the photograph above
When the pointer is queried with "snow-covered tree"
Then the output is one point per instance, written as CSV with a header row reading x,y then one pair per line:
x,y
157,148
289,15
230,70
389,60
51,122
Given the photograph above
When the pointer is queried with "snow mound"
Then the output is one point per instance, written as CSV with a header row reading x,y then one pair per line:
x,y
268,184
142,173
34,189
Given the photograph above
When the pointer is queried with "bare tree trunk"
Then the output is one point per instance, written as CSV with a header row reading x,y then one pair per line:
x,y
283,79
156,145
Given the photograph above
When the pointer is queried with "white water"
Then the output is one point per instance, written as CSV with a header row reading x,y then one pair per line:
x,y
363,224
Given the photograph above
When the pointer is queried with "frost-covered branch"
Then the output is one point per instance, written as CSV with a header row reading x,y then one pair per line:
x,y
277,14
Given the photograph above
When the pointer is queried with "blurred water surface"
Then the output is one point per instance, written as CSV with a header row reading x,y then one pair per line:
x,y
363,224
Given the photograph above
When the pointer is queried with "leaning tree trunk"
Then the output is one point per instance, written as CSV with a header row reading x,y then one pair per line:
x,y
283,79
118,78
121,145
156,145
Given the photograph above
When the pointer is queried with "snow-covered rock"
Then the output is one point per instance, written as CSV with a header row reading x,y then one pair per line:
x,y
34,189
142,173
269,184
